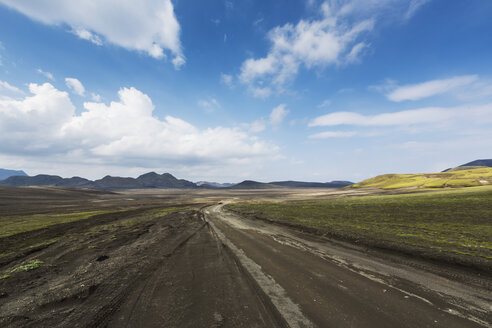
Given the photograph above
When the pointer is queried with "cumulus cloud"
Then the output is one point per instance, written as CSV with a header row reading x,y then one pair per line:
x,y
335,37
429,115
311,43
122,133
278,115
148,26
430,88
34,123
75,85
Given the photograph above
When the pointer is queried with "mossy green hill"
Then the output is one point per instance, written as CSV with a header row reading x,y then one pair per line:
x,y
466,177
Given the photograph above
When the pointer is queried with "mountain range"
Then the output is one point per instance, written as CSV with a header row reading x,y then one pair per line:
x,y
148,180
249,184
152,180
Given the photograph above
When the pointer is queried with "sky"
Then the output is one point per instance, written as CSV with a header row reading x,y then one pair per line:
x,y
244,89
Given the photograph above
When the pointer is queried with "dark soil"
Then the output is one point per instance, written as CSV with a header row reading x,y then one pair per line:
x,y
104,271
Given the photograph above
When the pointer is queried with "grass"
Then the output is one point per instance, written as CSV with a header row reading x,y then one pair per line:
x,y
31,265
456,222
11,225
463,177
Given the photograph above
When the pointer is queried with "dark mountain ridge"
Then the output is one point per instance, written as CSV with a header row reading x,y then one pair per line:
x,y
4,173
249,184
475,163
154,180
148,180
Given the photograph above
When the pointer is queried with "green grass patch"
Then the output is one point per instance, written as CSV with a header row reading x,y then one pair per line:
x,y
31,265
470,177
11,225
451,221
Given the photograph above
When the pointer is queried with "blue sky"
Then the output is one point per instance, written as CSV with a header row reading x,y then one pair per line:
x,y
234,90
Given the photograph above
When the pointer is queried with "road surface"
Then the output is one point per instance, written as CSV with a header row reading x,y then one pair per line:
x,y
313,282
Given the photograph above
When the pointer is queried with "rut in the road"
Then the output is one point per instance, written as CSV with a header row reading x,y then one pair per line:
x,y
199,285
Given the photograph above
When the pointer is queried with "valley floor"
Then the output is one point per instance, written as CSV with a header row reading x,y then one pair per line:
x,y
173,258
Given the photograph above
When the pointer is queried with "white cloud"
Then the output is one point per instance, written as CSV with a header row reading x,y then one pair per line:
x,y
355,54
261,92
333,134
209,105
75,85
258,125
430,88
124,133
312,43
34,123
227,79
95,97
86,35
278,115
46,74
149,26
336,36
5,86
429,115
413,6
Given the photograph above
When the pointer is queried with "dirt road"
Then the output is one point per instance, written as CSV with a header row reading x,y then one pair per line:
x,y
317,283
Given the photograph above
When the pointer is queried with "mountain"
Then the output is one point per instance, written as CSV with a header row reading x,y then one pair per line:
x,y
4,174
302,184
154,180
207,184
111,183
249,184
475,163
148,180
455,178
75,182
479,162
166,180
38,180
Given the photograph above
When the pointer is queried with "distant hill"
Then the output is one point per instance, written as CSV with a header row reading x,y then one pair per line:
x,y
38,180
249,184
148,180
165,180
301,184
464,177
4,174
207,184
475,163
480,162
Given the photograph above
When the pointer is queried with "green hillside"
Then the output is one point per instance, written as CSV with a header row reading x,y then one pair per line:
x,y
466,177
